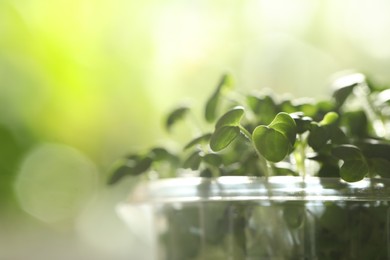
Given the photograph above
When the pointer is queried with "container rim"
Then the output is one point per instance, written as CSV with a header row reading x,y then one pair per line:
x,y
275,188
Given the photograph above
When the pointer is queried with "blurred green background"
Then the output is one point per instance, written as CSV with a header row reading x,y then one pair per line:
x,y
83,82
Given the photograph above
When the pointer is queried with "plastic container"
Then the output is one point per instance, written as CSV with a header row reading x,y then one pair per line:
x,y
258,218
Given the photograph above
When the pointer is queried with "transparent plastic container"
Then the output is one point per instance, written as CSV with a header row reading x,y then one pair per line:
x,y
258,218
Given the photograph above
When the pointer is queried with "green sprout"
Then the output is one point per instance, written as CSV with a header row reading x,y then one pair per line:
x,y
260,136
256,134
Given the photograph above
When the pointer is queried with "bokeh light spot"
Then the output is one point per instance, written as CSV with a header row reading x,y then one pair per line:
x,y
55,182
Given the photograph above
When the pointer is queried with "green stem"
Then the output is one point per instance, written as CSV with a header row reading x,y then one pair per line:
x,y
300,156
246,133
264,165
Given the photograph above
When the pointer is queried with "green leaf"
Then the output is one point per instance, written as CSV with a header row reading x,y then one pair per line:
x,y
353,170
343,87
211,108
264,107
198,140
288,107
347,152
330,118
338,136
308,109
324,106
223,136
232,117
130,167
303,123
355,166
318,137
379,166
373,148
193,161
329,170
213,159
276,140
226,83
284,124
118,174
340,95
142,166
270,143
355,122
325,130
161,154
176,115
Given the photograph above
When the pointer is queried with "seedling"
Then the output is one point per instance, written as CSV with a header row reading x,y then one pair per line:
x,y
259,135
258,132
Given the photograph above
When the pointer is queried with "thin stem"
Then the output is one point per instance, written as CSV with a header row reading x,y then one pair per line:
x,y
300,156
264,165
246,133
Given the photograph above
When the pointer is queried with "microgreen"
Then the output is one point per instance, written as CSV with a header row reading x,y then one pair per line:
x,y
211,108
223,136
231,118
258,131
257,134
276,140
176,115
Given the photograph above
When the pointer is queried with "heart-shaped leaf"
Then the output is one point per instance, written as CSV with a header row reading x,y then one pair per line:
x,y
284,124
223,136
270,143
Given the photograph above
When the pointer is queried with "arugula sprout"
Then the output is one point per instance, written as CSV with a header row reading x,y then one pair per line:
x,y
276,140
346,136
260,133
